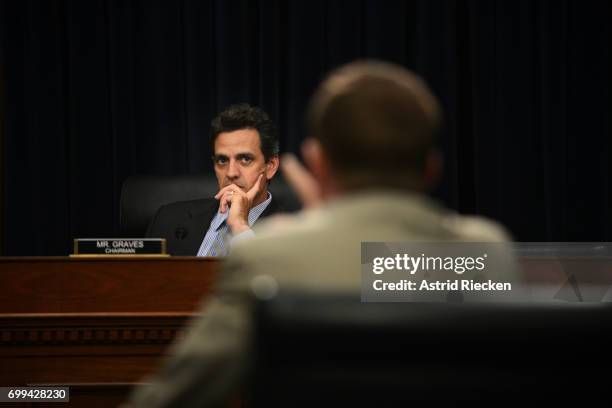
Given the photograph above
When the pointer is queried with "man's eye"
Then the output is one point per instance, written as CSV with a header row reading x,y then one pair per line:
x,y
221,160
246,160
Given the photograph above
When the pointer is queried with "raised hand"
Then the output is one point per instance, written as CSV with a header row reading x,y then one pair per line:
x,y
301,181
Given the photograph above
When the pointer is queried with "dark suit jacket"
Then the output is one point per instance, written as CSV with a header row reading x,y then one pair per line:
x,y
185,223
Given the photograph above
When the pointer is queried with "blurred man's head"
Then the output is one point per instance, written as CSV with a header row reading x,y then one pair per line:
x,y
373,124
244,144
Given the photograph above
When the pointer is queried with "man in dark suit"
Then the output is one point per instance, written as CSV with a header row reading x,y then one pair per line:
x,y
245,146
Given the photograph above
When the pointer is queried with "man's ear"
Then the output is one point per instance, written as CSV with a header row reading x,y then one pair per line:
x,y
272,166
434,165
316,160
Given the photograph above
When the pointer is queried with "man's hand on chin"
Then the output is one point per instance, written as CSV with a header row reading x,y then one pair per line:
x,y
240,203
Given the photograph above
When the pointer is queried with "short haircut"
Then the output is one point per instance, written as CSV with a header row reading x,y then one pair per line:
x,y
244,116
377,123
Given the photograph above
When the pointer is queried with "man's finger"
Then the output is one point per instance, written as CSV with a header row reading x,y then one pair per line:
x,y
301,181
226,199
225,189
222,204
252,193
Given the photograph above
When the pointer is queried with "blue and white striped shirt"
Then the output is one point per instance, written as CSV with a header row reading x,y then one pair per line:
x,y
218,240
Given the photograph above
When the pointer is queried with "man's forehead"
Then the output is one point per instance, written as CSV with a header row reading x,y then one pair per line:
x,y
243,141
242,153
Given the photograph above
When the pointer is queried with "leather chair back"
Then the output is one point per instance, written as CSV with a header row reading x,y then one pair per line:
x,y
323,349
142,196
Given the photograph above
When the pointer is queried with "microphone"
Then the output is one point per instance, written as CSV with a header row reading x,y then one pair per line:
x,y
181,233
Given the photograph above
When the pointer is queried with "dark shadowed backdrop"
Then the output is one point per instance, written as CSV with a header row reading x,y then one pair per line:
x,y
95,91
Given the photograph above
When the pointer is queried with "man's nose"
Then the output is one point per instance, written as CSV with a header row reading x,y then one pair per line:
x,y
233,171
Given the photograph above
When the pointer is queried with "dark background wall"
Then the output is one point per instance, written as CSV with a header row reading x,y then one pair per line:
x,y
95,91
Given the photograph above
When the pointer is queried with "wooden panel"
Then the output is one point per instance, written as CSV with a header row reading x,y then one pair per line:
x,y
84,348
66,285
97,325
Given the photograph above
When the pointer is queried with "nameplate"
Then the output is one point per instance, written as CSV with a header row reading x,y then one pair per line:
x,y
119,246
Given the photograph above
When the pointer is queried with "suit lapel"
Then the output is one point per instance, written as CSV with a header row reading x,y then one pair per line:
x,y
200,219
200,222
271,209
